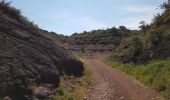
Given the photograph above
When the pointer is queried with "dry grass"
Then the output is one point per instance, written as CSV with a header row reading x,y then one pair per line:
x,y
72,88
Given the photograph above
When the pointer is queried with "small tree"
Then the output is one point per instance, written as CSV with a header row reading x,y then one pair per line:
x,y
166,6
143,26
74,34
123,28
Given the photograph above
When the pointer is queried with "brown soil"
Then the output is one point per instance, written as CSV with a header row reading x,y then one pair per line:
x,y
110,84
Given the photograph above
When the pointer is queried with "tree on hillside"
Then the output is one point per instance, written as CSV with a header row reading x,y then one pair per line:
x,y
74,34
85,32
123,28
166,6
143,26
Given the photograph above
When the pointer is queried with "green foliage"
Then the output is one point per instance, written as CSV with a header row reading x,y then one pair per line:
x,y
87,78
62,94
129,50
101,36
155,37
156,74
143,26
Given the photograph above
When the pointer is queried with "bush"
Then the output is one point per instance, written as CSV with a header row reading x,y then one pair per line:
x,y
155,37
130,50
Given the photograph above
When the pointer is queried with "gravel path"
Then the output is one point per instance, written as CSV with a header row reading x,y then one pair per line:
x,y
110,84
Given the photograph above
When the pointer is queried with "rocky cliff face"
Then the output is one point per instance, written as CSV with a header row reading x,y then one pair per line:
x,y
27,57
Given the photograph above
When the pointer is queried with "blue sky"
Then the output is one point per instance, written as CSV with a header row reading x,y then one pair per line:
x,y
69,16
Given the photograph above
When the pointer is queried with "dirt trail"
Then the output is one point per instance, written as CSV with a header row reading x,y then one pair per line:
x,y
110,84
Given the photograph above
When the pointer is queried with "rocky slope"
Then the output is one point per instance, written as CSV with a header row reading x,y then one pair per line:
x,y
29,60
102,40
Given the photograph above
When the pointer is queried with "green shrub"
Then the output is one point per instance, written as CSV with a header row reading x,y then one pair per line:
x,y
155,37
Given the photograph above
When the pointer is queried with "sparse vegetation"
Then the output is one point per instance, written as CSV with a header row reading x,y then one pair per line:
x,y
53,36
156,74
72,88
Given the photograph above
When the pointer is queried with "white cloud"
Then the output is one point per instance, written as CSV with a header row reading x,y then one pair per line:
x,y
133,23
144,13
140,8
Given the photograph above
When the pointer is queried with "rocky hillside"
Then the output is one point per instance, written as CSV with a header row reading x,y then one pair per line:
x,y
30,61
99,40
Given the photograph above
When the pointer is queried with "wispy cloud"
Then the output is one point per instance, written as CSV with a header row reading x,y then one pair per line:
x,y
140,9
133,22
136,14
